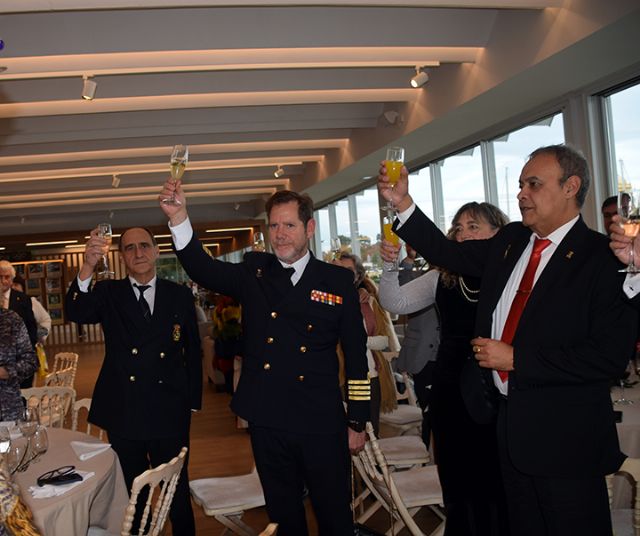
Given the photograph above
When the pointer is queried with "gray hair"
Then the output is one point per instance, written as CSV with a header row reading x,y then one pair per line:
x,y
6,266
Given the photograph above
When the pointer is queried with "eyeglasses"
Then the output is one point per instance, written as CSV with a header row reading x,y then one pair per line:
x,y
59,476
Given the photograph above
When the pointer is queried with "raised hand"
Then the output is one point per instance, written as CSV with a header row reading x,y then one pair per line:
x,y
398,194
389,251
621,244
176,213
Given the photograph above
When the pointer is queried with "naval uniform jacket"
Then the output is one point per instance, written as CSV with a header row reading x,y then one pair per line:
x,y
575,335
151,377
289,377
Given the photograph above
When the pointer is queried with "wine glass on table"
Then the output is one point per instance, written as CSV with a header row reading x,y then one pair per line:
x,y
178,163
393,164
40,443
630,220
5,440
104,231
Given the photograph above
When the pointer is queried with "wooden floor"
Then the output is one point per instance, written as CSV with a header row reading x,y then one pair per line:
x,y
218,448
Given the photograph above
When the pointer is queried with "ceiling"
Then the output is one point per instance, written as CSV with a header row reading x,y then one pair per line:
x,y
318,88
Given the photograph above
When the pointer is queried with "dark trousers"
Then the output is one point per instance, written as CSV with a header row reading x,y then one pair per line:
x,y
544,506
287,461
136,456
422,382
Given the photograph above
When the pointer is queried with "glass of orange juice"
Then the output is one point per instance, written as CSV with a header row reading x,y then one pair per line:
x,y
390,236
393,164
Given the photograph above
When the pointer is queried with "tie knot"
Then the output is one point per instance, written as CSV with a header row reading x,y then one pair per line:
x,y
540,244
142,288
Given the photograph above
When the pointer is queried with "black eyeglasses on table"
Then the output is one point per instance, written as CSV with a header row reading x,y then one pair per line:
x,y
59,476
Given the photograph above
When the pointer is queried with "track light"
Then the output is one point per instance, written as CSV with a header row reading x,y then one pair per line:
x,y
88,88
420,79
115,182
279,172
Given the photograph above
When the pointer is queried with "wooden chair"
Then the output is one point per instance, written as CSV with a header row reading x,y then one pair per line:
x,y
270,530
53,403
401,493
401,452
61,378
226,499
626,521
65,360
407,416
78,406
162,482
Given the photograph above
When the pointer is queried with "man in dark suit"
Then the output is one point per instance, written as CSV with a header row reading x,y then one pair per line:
x,y
151,377
295,310
17,301
558,354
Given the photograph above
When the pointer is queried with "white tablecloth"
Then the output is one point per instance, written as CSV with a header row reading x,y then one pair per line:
x,y
100,501
629,437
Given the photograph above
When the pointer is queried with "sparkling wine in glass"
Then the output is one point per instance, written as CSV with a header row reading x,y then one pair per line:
x,y
104,231
336,247
630,220
390,236
258,242
178,163
393,164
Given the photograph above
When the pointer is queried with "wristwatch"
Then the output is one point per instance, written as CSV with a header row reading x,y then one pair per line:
x,y
357,426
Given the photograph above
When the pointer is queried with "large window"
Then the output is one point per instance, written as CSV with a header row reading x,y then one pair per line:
x,y
511,152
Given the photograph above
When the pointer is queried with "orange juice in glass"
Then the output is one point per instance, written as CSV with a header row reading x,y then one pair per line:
x,y
390,236
393,164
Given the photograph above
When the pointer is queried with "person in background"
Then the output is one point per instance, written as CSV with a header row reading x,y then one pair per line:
x,y
380,336
554,331
42,317
295,311
420,342
151,376
609,210
18,363
466,453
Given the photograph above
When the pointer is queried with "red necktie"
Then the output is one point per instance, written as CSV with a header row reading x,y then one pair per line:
x,y
522,295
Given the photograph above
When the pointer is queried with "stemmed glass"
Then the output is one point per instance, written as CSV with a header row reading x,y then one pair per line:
x,y
622,401
40,443
178,162
336,247
258,242
104,231
390,236
630,220
393,164
5,440
29,422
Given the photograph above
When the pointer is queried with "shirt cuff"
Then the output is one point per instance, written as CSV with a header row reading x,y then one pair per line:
x,y
631,285
405,215
83,285
181,234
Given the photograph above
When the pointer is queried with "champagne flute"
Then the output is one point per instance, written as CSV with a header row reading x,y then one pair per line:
x,y
630,220
178,163
258,241
393,164
104,231
390,236
336,246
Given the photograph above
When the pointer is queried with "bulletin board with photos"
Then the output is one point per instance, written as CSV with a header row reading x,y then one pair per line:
x,y
44,280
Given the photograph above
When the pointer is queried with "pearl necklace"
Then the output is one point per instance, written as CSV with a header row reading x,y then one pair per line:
x,y
467,292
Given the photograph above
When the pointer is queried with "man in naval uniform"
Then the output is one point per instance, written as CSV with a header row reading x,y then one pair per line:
x,y
151,377
295,311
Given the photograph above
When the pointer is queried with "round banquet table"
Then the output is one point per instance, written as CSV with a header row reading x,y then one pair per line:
x,y
99,501
629,437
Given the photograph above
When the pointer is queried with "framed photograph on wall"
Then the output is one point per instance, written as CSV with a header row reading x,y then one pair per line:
x,y
54,301
56,316
54,269
35,270
53,285
33,287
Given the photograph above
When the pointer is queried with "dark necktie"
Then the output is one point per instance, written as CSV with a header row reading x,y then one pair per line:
x,y
522,295
144,304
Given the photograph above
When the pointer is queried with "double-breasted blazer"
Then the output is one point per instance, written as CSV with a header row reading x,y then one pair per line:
x,y
21,304
575,335
289,377
151,377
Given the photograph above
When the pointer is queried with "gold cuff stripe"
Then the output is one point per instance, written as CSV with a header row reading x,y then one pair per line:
x,y
358,382
361,389
364,398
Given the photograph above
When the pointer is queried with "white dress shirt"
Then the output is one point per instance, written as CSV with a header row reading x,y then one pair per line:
x,y
149,294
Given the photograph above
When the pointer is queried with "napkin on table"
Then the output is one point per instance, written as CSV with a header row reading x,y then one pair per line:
x,y
88,449
48,490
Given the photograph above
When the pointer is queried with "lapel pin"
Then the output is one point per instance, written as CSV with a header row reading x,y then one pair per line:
x,y
569,254
259,272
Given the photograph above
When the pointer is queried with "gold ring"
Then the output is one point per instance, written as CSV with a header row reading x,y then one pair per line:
x,y
476,349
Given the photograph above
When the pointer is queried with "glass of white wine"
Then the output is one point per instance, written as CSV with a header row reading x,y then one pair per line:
x,y
104,231
178,163
630,220
258,242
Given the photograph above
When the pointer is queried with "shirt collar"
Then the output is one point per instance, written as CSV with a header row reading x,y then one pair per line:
x,y
151,283
300,264
558,235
